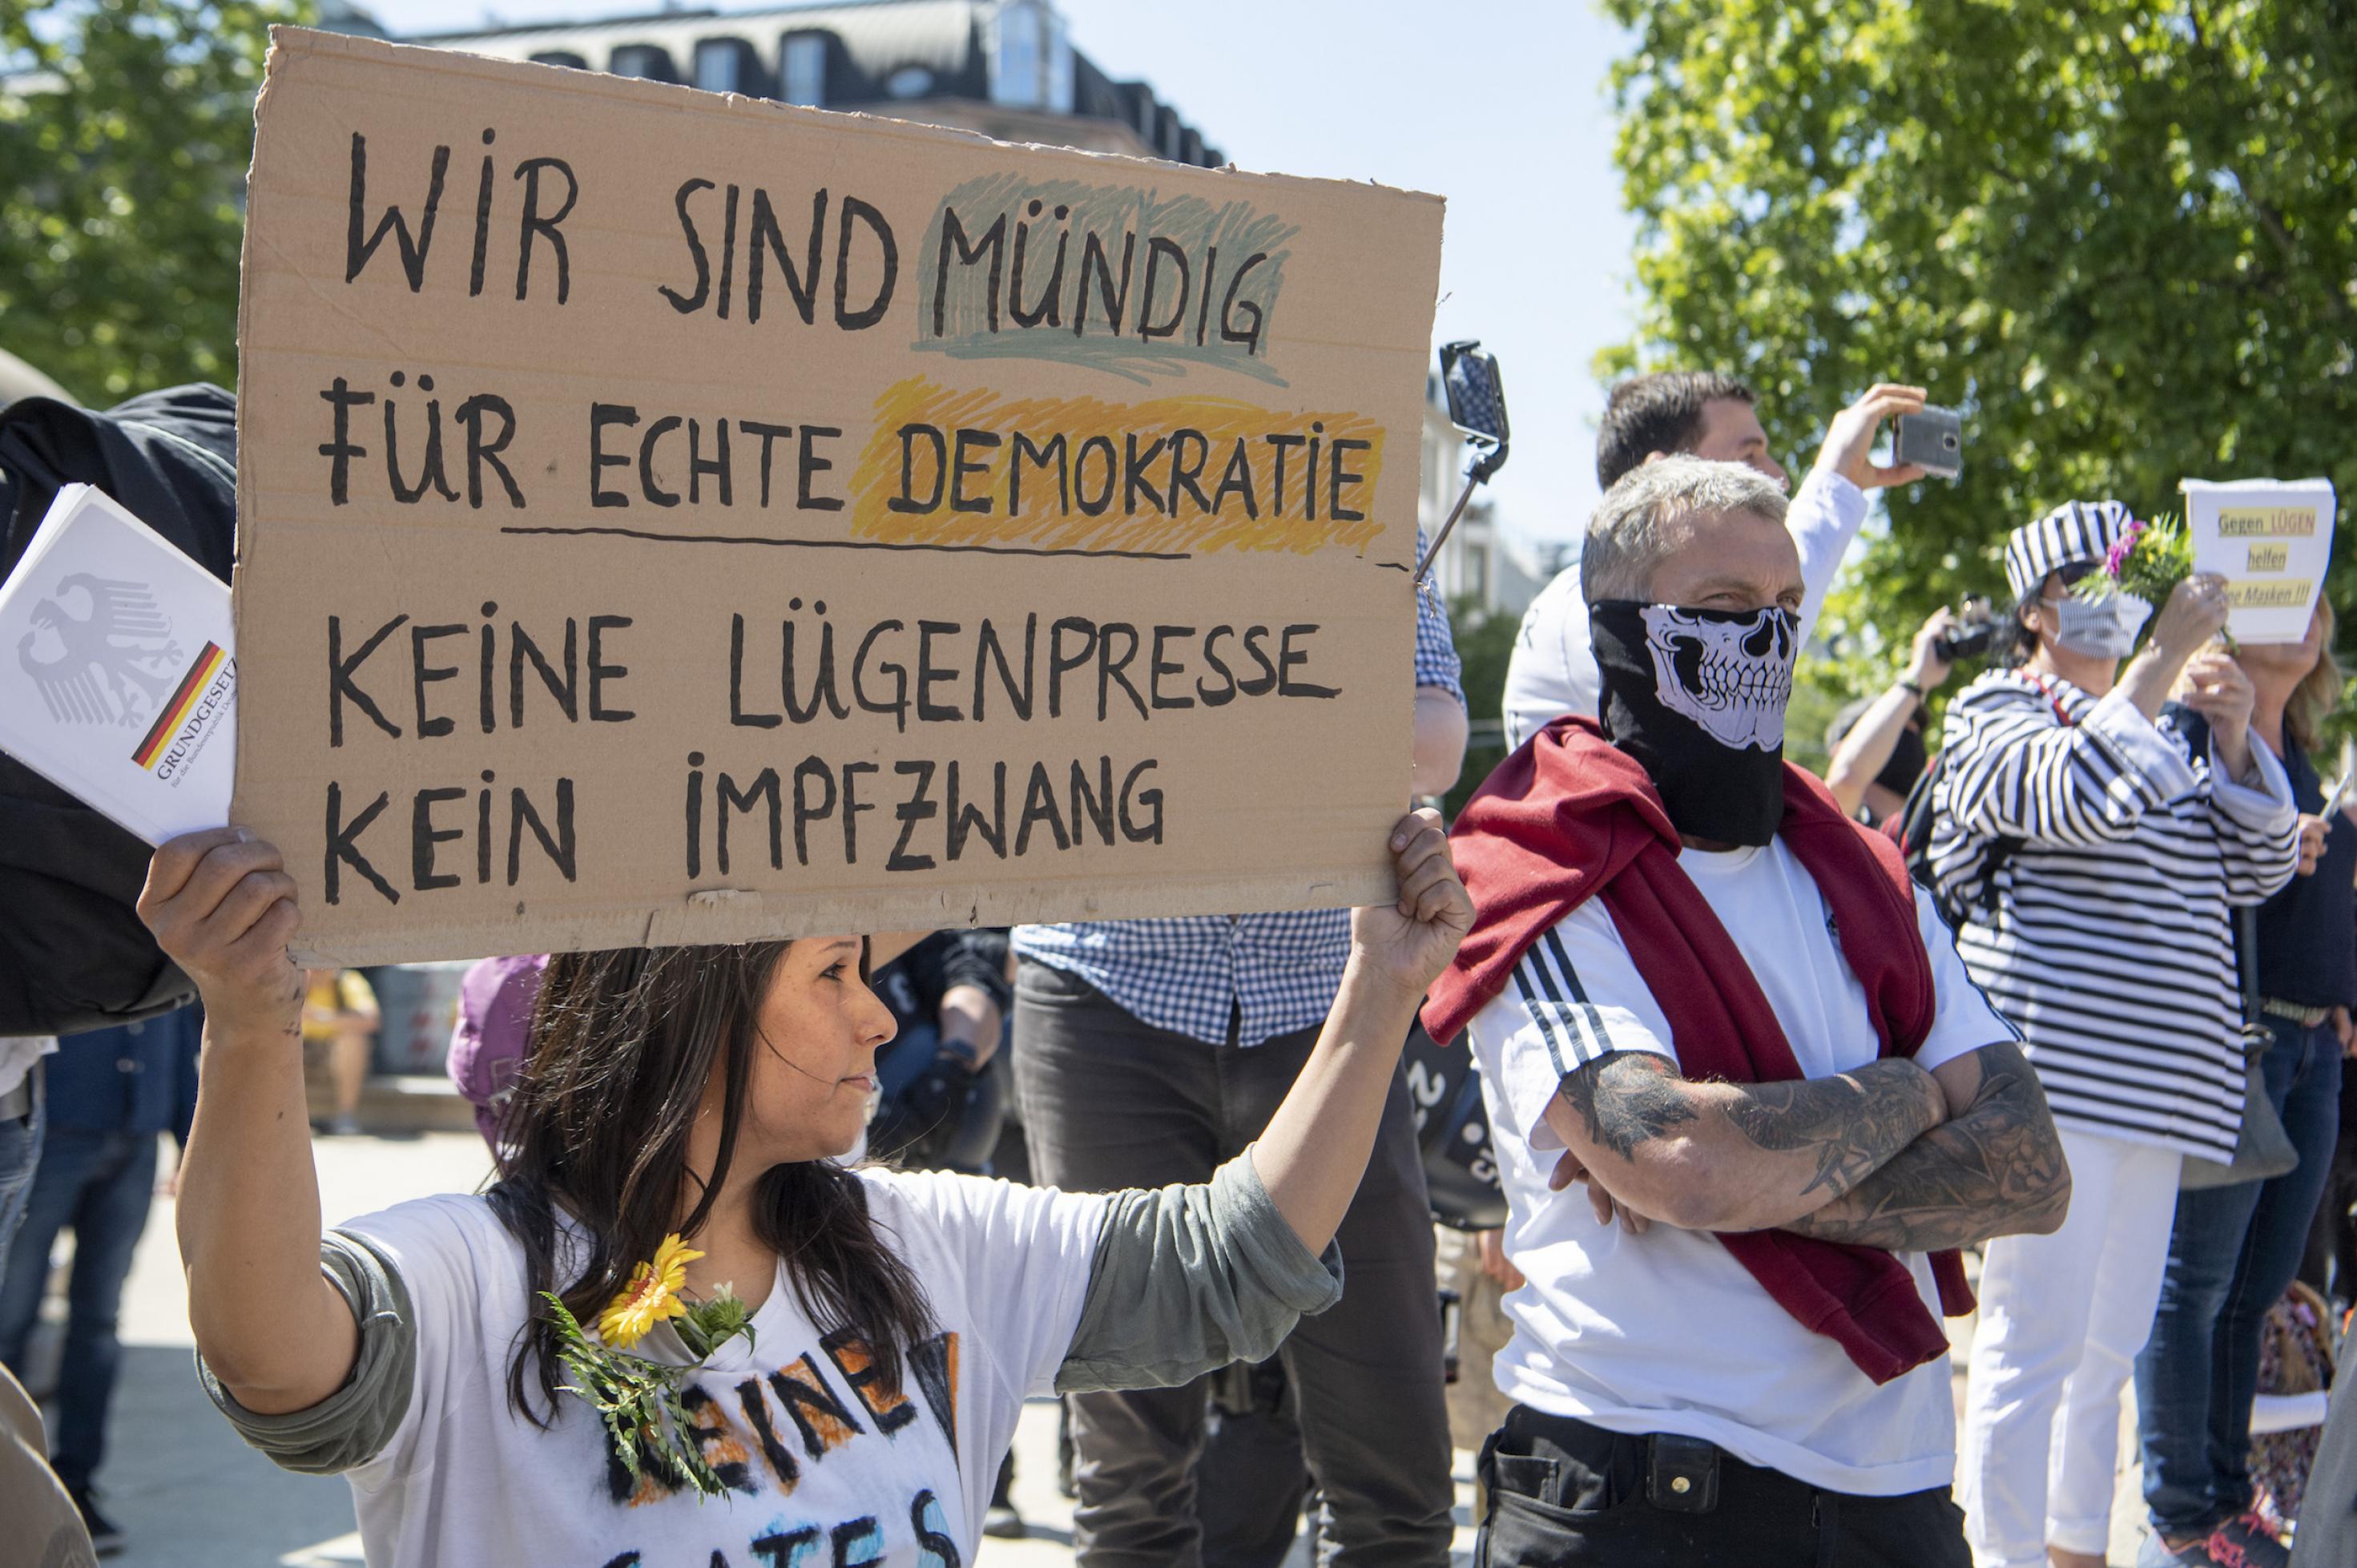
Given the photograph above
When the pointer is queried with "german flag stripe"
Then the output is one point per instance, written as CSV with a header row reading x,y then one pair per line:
x,y
209,660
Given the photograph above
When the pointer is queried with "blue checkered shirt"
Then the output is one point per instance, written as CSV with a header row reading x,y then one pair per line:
x,y
1271,973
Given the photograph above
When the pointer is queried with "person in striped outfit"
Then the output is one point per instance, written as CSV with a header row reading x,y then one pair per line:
x,y
2092,856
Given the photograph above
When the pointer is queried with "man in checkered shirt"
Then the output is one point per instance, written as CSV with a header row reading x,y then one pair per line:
x,y
1146,1052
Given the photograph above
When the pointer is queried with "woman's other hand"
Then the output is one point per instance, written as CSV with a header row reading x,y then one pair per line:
x,y
221,907
2311,843
2195,612
1924,665
1407,942
2216,687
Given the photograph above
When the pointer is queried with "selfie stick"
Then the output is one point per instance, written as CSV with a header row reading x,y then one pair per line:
x,y
1473,478
1485,401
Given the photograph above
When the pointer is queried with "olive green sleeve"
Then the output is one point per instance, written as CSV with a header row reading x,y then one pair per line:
x,y
352,1425
1187,1279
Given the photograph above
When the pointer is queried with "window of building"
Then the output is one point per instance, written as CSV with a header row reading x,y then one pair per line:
x,y
1019,44
561,57
1476,572
1060,66
647,61
803,69
909,81
720,65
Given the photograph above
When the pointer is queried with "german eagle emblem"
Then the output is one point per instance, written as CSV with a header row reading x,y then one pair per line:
x,y
100,652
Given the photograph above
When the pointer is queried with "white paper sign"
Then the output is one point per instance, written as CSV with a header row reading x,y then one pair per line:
x,y
2271,540
117,679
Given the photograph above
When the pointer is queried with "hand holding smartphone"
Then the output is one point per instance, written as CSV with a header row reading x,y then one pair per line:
x,y
1932,439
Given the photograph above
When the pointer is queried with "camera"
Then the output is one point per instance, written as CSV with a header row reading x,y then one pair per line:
x,y
1976,629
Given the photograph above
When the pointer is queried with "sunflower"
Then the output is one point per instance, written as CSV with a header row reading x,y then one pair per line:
x,y
652,1295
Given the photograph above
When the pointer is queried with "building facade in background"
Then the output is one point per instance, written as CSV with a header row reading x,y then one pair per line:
x,y
1004,68
1479,564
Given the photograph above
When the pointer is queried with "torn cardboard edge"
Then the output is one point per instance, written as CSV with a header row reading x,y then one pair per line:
x,y
686,100
722,917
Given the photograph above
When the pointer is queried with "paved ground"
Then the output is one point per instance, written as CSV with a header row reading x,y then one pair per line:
x,y
189,1495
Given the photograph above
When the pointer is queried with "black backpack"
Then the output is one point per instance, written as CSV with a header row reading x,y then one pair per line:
x,y
1452,1130
73,953
1910,830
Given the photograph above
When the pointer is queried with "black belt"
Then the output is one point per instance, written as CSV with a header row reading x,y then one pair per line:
x,y
1682,1474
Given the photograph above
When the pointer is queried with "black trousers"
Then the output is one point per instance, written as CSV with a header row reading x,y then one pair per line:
x,y
1110,1101
1562,1491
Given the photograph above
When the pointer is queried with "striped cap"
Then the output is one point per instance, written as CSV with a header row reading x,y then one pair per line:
x,y
2075,531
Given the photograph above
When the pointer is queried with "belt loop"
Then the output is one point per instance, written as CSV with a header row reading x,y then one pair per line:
x,y
1824,1511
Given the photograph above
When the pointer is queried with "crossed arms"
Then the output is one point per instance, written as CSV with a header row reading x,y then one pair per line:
x,y
1888,1155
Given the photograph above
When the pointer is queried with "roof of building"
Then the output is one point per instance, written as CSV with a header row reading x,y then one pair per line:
x,y
874,46
880,35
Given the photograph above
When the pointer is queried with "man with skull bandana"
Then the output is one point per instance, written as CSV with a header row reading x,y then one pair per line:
x,y
1708,414
1700,989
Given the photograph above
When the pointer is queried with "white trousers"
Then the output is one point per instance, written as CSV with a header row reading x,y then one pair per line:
x,y
2061,1319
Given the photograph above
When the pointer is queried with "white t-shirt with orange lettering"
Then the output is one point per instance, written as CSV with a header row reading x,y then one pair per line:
x,y
825,1470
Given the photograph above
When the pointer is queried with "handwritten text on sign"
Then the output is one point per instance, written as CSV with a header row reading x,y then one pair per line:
x,y
673,518
2271,540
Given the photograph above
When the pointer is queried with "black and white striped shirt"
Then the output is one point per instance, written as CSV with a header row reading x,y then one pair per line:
x,y
2103,934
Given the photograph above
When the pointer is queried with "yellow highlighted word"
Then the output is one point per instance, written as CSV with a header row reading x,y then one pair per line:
x,y
1178,475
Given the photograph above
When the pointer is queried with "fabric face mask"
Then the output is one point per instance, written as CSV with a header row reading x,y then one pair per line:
x,y
1697,697
2104,629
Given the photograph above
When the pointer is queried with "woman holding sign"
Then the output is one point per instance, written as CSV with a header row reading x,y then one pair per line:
x,y
2089,852
2235,1247
848,1399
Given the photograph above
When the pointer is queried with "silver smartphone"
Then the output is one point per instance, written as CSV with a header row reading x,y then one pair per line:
x,y
1934,440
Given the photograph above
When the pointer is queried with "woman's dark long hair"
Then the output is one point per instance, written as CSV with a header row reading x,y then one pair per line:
x,y
622,1044
2022,647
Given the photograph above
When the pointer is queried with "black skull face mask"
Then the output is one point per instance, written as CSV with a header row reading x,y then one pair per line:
x,y
1698,698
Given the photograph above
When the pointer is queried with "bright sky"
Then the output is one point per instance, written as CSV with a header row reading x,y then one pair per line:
x,y
1498,106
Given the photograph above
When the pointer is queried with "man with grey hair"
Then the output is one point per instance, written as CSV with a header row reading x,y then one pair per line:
x,y
1703,414
1696,987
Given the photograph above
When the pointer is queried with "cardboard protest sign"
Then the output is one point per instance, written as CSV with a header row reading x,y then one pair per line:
x,y
673,518
2271,540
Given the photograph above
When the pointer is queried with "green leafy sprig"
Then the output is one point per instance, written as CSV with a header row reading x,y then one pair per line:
x,y
2148,560
637,1399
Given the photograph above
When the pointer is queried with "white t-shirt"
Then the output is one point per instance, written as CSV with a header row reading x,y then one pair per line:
x,y
1551,670
17,1055
825,1470
1665,1331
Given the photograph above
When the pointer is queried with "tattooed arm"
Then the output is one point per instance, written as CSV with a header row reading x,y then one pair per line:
x,y
1994,1168
1724,1156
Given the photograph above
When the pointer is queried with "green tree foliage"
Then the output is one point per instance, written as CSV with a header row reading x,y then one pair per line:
x,y
2120,236
125,129
1485,641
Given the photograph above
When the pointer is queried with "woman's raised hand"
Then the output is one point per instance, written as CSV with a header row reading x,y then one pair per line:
x,y
2195,612
1407,942
223,906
